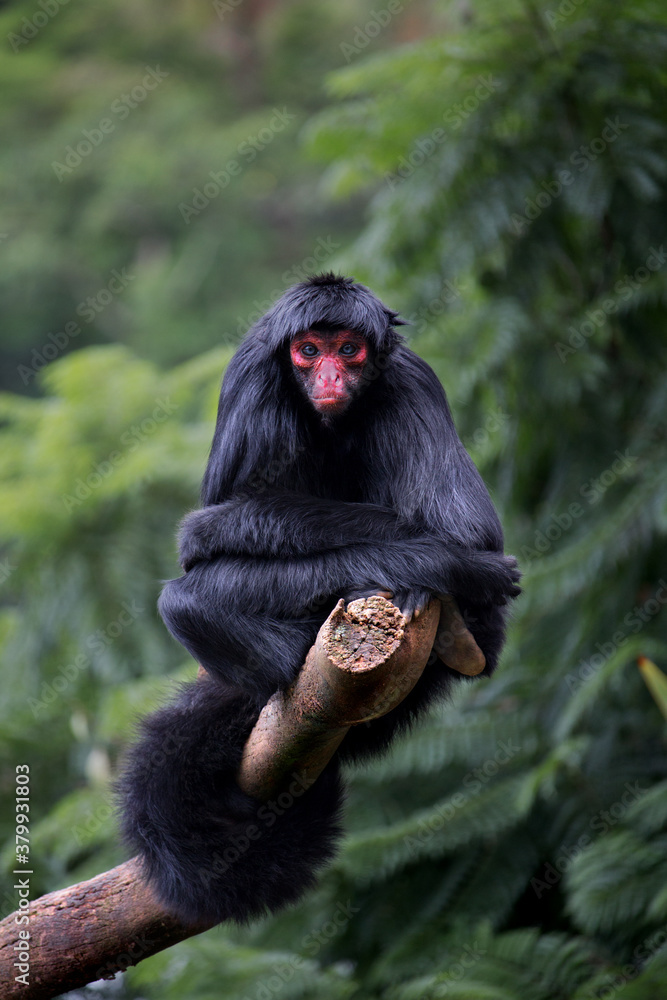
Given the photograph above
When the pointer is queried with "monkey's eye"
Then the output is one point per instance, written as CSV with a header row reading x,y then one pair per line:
x,y
349,349
308,350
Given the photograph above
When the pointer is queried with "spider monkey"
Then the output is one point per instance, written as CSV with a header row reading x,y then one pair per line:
x,y
335,471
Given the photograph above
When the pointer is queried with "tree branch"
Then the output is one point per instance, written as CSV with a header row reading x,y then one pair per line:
x,y
365,660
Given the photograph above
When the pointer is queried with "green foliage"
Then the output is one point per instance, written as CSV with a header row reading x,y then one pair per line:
x,y
656,682
514,846
518,168
105,161
95,476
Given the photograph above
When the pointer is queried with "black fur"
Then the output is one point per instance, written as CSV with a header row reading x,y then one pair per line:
x,y
211,850
298,511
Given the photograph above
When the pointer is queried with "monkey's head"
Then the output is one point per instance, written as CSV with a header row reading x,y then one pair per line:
x,y
329,367
333,329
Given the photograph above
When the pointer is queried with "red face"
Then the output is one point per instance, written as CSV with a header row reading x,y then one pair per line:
x,y
329,367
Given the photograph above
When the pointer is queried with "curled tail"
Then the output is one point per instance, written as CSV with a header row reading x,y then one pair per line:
x,y
210,851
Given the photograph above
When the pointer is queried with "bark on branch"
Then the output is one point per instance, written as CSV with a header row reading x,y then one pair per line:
x,y
365,660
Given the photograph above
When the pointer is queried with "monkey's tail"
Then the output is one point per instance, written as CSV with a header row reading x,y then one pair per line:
x,y
210,851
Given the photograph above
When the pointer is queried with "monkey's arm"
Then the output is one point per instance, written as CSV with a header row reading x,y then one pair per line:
x,y
250,620
283,524
284,587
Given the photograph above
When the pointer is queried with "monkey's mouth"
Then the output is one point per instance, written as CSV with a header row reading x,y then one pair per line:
x,y
330,404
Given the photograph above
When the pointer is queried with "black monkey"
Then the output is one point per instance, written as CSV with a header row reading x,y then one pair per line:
x,y
335,471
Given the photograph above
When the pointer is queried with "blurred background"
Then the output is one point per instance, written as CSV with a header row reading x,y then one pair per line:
x,y
496,171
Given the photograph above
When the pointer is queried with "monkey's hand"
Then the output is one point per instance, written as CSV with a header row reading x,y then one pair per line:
x,y
483,577
359,595
410,603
